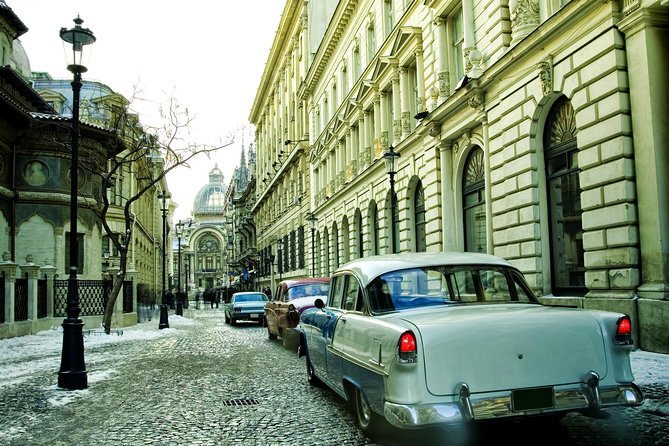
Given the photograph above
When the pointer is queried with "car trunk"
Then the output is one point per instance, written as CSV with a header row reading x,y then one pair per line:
x,y
503,347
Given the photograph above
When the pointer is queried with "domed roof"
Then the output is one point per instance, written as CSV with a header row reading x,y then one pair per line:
x,y
211,198
19,61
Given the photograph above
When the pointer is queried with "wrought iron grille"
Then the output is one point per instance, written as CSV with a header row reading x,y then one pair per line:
x,y
21,300
127,296
41,298
93,296
2,299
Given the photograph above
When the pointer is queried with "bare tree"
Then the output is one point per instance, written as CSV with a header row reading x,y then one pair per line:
x,y
152,153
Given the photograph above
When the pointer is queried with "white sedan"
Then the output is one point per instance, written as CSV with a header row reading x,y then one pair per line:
x,y
419,339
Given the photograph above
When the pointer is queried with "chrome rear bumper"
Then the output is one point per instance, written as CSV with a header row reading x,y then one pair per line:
x,y
589,399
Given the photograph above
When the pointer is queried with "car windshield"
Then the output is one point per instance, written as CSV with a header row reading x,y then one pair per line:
x,y
250,297
420,287
312,289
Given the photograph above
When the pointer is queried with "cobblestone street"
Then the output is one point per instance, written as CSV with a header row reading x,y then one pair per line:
x,y
202,382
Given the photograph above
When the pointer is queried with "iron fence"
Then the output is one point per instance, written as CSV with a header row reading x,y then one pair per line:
x,y
21,300
93,297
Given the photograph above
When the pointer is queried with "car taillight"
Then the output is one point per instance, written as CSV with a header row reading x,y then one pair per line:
x,y
406,348
237,309
624,331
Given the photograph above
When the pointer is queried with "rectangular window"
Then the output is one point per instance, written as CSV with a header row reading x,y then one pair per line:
x,y
371,43
356,64
80,252
389,17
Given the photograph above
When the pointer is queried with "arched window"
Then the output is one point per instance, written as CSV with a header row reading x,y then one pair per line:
x,y
317,255
564,201
335,246
357,230
373,228
326,252
473,198
346,242
419,218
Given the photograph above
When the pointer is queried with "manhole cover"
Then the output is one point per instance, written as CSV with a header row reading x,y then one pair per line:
x,y
241,402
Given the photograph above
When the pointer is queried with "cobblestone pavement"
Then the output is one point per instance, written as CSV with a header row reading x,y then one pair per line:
x,y
207,383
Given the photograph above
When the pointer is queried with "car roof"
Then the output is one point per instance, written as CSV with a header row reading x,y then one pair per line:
x,y
305,281
368,268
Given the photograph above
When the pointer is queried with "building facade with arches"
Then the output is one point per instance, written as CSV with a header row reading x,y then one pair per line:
x,y
534,130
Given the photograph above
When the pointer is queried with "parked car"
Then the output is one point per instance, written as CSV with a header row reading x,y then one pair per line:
x,y
245,306
290,299
422,339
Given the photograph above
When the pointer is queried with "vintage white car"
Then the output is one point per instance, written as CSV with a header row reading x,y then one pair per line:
x,y
421,339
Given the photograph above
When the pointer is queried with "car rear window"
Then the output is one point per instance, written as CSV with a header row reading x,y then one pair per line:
x,y
250,297
420,287
312,289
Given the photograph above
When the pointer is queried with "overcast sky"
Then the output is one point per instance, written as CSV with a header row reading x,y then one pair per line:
x,y
209,55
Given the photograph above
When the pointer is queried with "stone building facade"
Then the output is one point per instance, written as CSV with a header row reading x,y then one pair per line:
x,y
534,130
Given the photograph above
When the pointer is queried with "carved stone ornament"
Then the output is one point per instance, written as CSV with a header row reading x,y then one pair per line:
x,y
477,100
435,130
444,87
546,76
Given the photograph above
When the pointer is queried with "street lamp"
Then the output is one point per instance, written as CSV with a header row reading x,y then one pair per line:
x,y
391,159
72,374
180,230
164,320
313,221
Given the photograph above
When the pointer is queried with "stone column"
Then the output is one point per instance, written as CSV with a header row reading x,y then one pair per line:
x,y
8,270
379,121
31,271
404,102
49,272
442,58
646,33
397,109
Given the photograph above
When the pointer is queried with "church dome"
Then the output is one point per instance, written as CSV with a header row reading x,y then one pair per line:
x,y
19,60
211,198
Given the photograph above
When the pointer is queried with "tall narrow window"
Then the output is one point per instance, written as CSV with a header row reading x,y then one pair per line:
x,y
419,218
458,38
564,200
356,64
371,42
388,17
357,223
473,198
335,246
373,228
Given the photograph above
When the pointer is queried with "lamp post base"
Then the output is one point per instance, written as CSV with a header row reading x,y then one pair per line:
x,y
164,321
72,374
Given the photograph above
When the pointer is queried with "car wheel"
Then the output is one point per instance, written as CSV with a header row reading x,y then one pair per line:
x,y
233,321
311,376
270,335
227,319
368,422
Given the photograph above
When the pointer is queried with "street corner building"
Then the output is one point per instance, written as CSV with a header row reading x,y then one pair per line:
x,y
36,156
534,130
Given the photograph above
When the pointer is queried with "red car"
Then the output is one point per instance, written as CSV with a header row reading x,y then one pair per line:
x,y
290,298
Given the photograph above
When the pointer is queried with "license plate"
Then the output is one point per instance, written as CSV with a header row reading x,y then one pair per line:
x,y
255,315
529,399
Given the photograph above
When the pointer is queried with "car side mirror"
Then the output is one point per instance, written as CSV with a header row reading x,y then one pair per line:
x,y
318,303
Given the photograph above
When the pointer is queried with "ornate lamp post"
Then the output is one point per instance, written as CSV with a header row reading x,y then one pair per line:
x,y
164,320
391,159
313,221
180,230
72,374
